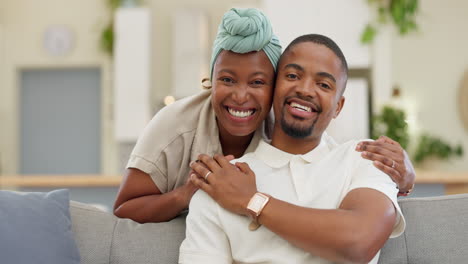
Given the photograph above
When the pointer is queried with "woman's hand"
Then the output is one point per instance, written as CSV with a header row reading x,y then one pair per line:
x,y
231,186
389,157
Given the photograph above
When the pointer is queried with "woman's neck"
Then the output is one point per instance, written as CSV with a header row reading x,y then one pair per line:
x,y
233,145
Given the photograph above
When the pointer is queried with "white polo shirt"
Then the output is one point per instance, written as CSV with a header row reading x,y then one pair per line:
x,y
319,179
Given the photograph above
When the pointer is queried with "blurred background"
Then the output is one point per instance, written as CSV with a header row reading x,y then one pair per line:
x,y
79,80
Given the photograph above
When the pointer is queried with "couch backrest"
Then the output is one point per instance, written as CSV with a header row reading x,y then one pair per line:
x,y
436,232
103,238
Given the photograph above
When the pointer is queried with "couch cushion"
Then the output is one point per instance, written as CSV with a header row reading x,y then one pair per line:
x,y
36,228
93,230
156,243
436,232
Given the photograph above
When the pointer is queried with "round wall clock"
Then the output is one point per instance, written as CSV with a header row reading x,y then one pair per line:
x,y
58,40
463,100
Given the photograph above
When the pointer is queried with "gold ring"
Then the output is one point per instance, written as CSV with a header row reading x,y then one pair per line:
x,y
206,175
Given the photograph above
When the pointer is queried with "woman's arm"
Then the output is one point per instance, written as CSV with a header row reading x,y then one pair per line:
x,y
389,157
141,200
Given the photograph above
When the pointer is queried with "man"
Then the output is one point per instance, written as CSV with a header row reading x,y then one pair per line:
x,y
311,200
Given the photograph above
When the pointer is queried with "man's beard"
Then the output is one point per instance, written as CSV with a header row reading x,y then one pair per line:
x,y
297,131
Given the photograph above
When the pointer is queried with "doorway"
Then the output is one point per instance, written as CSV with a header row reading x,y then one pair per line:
x,y
60,121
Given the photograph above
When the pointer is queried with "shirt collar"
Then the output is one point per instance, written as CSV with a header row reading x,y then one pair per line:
x,y
277,158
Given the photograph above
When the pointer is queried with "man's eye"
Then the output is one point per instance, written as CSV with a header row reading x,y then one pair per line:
x,y
292,76
324,85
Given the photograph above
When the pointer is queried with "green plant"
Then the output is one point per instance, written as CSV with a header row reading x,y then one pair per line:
x,y
107,35
106,40
391,122
431,146
401,12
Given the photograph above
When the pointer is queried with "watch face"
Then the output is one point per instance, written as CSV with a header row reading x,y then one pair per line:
x,y
257,202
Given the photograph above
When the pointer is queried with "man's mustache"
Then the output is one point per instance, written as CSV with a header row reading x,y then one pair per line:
x,y
304,98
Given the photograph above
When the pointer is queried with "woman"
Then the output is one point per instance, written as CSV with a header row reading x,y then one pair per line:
x,y
231,118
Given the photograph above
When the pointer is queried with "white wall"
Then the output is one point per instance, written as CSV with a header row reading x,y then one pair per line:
x,y
3,110
341,20
429,66
132,66
24,22
191,51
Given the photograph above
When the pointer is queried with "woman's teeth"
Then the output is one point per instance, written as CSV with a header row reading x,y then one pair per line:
x,y
300,107
240,113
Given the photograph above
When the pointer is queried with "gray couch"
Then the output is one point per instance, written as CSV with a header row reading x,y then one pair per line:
x,y
436,232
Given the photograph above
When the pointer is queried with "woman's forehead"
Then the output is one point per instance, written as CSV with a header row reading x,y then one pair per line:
x,y
251,61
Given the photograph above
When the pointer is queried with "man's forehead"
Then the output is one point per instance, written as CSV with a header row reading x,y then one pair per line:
x,y
309,51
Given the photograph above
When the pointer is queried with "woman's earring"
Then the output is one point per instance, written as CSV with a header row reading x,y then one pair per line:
x,y
206,83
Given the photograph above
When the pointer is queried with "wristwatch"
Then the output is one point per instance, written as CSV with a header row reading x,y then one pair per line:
x,y
255,207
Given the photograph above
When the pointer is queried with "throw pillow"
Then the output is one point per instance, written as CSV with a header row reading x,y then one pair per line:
x,y
36,228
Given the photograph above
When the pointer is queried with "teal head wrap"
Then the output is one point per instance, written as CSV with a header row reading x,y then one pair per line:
x,y
243,31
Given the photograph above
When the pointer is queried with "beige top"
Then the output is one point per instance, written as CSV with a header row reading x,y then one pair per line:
x,y
176,135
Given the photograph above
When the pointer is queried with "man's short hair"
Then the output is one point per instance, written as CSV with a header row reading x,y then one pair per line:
x,y
321,40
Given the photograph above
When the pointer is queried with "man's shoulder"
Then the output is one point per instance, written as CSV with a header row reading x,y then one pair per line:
x,y
202,203
246,157
348,148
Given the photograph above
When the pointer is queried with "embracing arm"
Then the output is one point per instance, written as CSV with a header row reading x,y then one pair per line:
x,y
353,233
140,199
389,157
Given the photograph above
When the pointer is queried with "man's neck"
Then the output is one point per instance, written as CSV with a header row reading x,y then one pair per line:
x,y
297,146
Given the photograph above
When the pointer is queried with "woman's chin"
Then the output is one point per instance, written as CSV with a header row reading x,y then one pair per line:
x,y
241,131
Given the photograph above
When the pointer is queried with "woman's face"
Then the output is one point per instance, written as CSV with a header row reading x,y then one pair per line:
x,y
242,91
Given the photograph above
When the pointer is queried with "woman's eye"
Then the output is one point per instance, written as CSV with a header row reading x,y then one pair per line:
x,y
227,80
292,76
258,82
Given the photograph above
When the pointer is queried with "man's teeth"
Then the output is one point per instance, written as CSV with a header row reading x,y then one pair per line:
x,y
301,107
240,113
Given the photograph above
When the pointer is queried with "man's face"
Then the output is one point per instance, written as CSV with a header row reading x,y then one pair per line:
x,y
242,91
308,91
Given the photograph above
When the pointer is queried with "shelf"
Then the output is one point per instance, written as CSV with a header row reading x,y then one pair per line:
x,y
438,177
60,181
87,180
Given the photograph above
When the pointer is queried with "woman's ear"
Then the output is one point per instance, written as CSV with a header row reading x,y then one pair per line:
x,y
206,83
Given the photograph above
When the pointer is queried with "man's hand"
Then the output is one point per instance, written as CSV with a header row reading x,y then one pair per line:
x,y
230,186
389,157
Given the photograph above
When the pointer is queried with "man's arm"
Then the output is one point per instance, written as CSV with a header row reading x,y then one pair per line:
x,y
141,200
352,233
